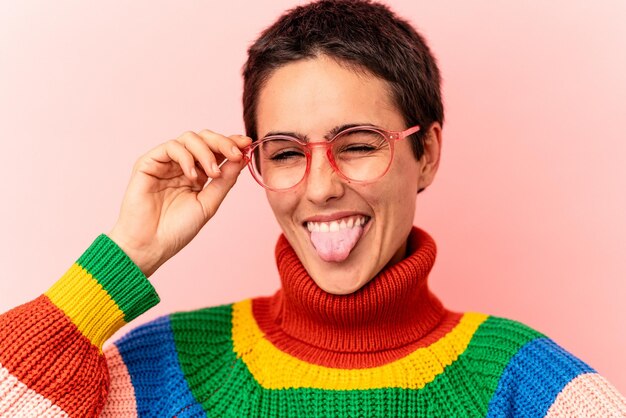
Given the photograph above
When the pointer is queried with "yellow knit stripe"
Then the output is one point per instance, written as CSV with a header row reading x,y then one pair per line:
x,y
275,369
79,295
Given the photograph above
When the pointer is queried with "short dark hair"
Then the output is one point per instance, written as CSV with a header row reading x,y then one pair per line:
x,y
362,34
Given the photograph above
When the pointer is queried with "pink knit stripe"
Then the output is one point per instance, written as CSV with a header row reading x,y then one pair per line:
x,y
588,395
17,400
121,400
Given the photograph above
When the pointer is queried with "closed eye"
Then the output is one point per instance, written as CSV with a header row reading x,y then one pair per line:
x,y
359,148
286,155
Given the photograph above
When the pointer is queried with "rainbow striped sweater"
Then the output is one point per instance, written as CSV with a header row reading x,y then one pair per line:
x,y
389,350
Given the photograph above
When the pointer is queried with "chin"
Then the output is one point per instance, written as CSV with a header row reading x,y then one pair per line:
x,y
340,280
339,287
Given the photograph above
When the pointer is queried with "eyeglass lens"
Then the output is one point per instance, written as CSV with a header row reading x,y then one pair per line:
x,y
360,155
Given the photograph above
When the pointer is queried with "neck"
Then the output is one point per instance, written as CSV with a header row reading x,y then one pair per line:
x,y
392,313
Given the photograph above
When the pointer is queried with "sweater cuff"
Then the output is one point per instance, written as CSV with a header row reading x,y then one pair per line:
x,y
103,291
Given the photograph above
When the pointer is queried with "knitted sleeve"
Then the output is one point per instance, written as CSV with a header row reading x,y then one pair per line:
x,y
542,379
51,358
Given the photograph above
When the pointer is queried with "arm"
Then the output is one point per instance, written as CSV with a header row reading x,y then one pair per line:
x,y
588,395
51,360
542,379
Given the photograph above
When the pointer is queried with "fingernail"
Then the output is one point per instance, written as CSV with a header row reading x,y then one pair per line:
x,y
216,168
194,172
235,150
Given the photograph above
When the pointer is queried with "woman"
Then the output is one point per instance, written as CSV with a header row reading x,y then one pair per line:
x,y
343,114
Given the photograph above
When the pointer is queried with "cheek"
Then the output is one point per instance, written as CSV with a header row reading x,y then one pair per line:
x,y
284,206
398,191
395,200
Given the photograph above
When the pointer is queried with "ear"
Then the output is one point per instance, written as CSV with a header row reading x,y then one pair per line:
x,y
429,163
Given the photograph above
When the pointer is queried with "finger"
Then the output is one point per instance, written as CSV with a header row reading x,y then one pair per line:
x,y
241,140
215,192
198,184
201,152
221,144
173,151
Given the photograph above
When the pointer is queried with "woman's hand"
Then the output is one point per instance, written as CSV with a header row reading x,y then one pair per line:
x,y
166,203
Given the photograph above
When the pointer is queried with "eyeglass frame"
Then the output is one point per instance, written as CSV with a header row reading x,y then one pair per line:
x,y
390,136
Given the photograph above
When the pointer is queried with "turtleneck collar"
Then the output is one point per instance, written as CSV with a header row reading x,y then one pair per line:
x,y
393,312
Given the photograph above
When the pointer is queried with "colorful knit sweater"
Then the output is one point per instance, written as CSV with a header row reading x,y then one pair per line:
x,y
389,350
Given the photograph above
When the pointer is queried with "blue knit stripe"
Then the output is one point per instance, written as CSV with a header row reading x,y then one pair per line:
x,y
152,362
533,378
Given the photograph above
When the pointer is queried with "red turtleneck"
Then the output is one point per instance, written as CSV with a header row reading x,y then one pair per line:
x,y
389,317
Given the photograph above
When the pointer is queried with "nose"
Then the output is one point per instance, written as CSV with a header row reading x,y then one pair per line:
x,y
323,184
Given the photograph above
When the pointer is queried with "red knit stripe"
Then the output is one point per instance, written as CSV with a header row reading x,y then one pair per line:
x,y
45,351
261,309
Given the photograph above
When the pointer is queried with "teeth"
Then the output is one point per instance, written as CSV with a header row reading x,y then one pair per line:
x,y
334,226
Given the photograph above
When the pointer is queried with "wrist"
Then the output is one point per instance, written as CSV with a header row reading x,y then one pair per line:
x,y
143,256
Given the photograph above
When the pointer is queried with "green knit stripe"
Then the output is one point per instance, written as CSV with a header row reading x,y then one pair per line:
x,y
494,344
223,385
205,352
119,276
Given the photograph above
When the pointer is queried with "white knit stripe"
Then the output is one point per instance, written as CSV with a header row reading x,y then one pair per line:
x,y
121,399
17,400
588,395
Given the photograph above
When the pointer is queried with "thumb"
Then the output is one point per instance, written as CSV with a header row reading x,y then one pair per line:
x,y
214,193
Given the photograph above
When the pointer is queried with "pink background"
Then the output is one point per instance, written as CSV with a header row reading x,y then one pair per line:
x,y
527,210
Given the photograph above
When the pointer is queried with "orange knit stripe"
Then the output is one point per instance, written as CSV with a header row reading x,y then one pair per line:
x,y
46,351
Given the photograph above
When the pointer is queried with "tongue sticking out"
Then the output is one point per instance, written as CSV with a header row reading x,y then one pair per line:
x,y
336,245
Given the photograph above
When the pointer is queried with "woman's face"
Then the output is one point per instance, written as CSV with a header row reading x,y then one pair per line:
x,y
311,98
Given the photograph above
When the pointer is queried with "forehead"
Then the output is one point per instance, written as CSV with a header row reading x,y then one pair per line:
x,y
314,96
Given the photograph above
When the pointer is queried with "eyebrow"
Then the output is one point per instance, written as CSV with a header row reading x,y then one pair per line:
x,y
328,136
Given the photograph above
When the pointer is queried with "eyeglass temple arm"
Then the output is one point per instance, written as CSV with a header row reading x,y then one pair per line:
x,y
245,158
409,131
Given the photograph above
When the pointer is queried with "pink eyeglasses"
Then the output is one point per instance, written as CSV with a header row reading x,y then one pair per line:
x,y
360,154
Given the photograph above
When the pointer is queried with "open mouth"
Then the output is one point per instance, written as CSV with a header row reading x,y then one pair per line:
x,y
335,240
336,225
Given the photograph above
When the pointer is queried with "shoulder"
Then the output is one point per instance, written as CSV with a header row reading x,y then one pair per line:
x,y
530,349
167,359
159,356
538,377
535,358
163,339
